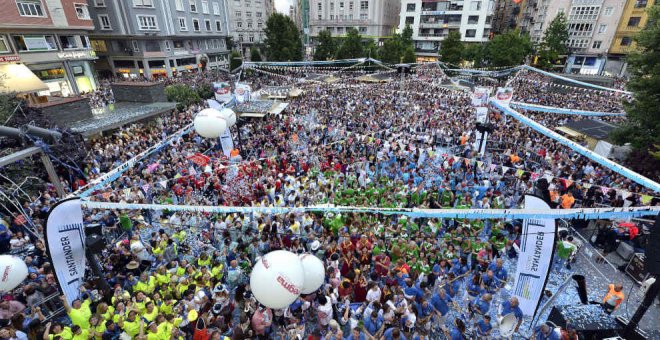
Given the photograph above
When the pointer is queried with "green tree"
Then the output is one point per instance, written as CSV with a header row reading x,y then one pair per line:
x,y
406,37
255,55
351,46
508,49
282,41
554,41
474,52
642,128
409,56
371,50
326,47
391,51
182,94
451,49
205,90
235,60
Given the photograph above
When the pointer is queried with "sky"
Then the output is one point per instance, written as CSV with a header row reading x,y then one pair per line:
x,y
282,6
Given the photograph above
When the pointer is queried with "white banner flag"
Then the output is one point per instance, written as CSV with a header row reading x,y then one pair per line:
x,y
222,91
227,143
242,92
65,241
536,248
504,95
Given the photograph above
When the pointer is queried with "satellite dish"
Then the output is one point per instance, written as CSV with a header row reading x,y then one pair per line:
x,y
508,325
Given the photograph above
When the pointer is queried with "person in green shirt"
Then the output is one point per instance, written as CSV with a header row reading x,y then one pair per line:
x,y
126,224
565,249
131,325
79,333
79,311
499,242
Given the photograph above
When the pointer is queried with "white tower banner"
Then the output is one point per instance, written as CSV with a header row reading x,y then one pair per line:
x,y
536,249
65,241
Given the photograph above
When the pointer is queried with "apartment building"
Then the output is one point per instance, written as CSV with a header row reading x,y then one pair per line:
x,y
633,19
51,39
247,22
373,19
432,21
158,38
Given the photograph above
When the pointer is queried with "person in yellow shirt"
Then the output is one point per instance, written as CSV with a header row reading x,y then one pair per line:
x,y
97,326
79,311
146,284
53,330
131,325
163,276
151,312
217,270
140,302
104,311
79,333
204,260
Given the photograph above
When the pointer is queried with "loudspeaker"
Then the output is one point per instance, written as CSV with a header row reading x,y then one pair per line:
x,y
589,320
95,243
653,257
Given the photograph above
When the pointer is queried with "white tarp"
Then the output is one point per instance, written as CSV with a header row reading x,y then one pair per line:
x,y
65,241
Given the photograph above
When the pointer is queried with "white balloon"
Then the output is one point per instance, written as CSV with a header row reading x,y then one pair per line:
x,y
229,115
209,123
314,273
277,279
12,272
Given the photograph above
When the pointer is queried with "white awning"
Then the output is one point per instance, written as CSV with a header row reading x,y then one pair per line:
x,y
17,78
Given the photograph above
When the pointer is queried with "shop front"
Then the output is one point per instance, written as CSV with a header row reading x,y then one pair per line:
x,y
71,75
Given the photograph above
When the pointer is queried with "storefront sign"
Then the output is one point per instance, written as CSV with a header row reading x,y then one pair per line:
x,y
8,58
76,54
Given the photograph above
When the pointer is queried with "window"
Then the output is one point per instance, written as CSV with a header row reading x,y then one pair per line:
x,y
216,8
99,45
68,42
99,3
196,25
35,42
475,5
341,5
362,30
320,7
584,13
247,4
240,37
608,11
320,17
238,13
626,41
178,44
350,6
260,24
251,38
104,21
147,22
332,6
183,24
178,4
602,28
410,7
136,46
634,21
218,26
364,16
239,24
410,20
167,45
248,14
81,11
30,8
193,6
258,14
205,7
641,3
332,17
473,19
207,23
4,46
470,33
340,30
596,44
143,3
249,24
364,5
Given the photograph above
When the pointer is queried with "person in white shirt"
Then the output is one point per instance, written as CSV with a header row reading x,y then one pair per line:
x,y
374,292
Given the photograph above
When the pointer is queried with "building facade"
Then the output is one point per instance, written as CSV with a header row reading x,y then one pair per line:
x,y
633,19
51,39
247,21
373,19
432,21
158,38
508,15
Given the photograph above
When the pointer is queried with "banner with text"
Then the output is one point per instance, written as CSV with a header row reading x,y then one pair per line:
x,y
222,91
536,248
65,242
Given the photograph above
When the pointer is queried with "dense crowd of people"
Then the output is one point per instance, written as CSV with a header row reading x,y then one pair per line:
x,y
410,144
